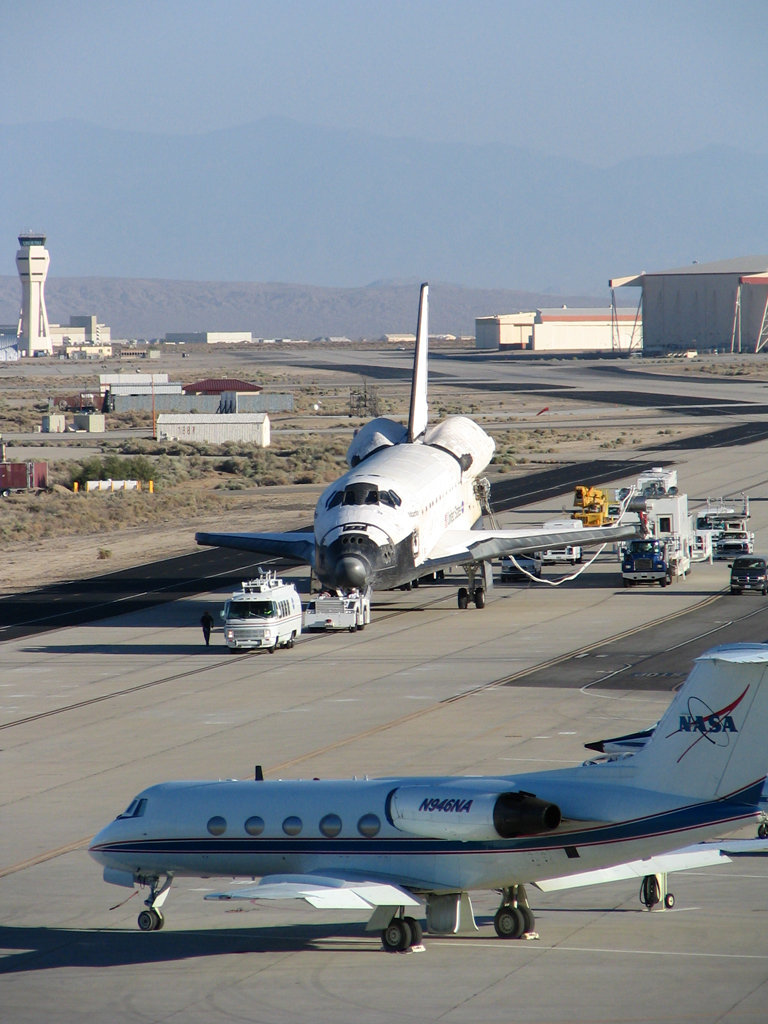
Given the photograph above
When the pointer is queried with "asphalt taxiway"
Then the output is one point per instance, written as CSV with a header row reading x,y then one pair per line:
x,y
92,713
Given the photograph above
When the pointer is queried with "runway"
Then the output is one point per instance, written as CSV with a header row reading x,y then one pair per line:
x,y
93,712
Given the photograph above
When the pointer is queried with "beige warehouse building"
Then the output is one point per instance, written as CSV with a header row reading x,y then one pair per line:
x,y
215,428
569,331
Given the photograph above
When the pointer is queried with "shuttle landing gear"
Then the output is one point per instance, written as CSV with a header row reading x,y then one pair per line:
x,y
514,918
480,579
151,920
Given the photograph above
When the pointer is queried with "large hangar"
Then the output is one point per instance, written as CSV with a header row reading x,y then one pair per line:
x,y
721,305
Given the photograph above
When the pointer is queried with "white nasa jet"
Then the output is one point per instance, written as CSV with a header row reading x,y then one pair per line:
x,y
409,505
399,847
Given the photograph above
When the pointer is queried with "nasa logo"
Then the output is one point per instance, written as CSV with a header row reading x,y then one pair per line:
x,y
713,726
453,804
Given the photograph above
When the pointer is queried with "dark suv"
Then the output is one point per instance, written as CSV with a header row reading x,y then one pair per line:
x,y
749,573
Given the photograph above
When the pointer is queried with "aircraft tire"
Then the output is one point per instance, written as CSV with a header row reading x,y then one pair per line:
x,y
463,598
669,901
479,598
528,919
150,920
396,938
416,933
509,923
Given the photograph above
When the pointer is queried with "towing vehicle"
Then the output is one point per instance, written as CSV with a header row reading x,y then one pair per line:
x,y
336,610
265,612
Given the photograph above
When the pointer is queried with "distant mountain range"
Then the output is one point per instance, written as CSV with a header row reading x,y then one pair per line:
x,y
280,201
148,309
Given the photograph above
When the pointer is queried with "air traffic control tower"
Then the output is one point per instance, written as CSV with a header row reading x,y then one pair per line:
x,y
32,261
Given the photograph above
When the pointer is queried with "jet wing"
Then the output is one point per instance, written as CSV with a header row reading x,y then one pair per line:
x,y
299,547
325,892
457,547
702,856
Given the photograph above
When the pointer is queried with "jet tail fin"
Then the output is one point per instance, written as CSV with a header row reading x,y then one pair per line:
x,y
710,743
419,412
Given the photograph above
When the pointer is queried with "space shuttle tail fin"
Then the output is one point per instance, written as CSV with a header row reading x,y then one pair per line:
x,y
419,411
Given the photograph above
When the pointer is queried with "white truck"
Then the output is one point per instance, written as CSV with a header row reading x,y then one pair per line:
x,y
555,556
332,611
265,612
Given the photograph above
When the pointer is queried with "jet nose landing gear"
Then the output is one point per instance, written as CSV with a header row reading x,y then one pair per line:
x,y
151,920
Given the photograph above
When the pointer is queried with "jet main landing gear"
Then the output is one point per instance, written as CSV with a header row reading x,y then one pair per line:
x,y
402,934
151,920
514,918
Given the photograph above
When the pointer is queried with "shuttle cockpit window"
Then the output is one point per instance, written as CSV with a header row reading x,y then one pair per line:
x,y
135,809
335,499
361,494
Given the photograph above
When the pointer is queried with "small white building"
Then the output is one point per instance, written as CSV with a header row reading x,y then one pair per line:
x,y
215,428
210,337
562,330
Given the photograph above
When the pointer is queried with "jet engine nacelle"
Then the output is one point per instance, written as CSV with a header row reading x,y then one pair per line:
x,y
435,812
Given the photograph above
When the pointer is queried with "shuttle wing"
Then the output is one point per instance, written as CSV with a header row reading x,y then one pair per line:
x,y
457,547
327,893
299,547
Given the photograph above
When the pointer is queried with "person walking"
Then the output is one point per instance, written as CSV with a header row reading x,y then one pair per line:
x,y
206,622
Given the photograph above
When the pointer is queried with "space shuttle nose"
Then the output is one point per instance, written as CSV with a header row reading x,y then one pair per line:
x,y
350,571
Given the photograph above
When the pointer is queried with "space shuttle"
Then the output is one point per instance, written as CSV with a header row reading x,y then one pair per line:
x,y
411,504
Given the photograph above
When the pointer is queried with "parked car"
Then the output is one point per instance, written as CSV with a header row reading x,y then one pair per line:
x,y
531,563
749,573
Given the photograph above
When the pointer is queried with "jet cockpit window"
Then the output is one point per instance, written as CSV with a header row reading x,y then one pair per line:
x,y
135,809
335,499
252,610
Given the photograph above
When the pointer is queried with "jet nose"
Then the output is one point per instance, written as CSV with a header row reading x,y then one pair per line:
x,y
350,571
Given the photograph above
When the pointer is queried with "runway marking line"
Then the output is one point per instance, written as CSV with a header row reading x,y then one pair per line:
x,y
536,947
41,858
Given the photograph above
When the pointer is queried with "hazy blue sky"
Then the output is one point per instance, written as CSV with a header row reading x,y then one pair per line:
x,y
597,81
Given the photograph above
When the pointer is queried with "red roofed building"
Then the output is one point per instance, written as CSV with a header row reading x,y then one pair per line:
x,y
217,385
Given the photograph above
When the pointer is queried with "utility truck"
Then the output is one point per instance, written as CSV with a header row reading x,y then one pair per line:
x,y
336,610
645,561
264,613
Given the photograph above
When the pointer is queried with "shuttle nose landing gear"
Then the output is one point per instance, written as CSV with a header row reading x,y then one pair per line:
x,y
514,919
151,920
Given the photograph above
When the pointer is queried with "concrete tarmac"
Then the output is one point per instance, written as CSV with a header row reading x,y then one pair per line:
x,y
92,713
